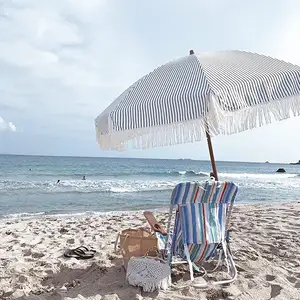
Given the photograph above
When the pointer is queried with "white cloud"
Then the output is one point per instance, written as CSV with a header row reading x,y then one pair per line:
x,y
63,61
65,41
7,126
58,56
22,54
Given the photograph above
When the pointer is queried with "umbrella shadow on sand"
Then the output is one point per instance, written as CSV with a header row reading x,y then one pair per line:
x,y
95,282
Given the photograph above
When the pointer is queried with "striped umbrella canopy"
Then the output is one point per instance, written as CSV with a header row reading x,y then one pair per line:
x,y
201,95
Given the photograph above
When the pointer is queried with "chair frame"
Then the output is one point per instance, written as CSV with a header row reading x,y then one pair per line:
x,y
225,247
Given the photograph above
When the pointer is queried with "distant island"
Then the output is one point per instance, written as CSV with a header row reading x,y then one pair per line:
x,y
296,163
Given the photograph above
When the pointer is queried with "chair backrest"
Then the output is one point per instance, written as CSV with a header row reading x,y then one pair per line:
x,y
202,216
202,223
207,192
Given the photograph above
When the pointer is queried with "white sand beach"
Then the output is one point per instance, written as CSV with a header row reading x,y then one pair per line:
x,y
265,243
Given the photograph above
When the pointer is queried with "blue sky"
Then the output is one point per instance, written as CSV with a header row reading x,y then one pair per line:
x,y
63,61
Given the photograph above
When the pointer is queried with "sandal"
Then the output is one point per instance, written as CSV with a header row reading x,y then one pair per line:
x,y
81,252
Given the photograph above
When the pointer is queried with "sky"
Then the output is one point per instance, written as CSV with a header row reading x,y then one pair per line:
x,y
63,61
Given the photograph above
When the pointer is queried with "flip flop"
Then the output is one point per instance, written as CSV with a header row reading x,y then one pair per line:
x,y
70,253
86,249
81,252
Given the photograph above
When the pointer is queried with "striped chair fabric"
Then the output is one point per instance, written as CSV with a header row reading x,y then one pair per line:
x,y
201,217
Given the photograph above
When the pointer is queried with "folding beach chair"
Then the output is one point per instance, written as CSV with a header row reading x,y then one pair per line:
x,y
201,225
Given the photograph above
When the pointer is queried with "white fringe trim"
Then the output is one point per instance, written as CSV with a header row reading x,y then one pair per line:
x,y
218,121
149,273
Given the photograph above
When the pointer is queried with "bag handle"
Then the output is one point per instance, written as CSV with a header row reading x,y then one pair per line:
x,y
121,246
137,230
116,242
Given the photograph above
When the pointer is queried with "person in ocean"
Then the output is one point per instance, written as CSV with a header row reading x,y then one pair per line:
x,y
83,178
58,181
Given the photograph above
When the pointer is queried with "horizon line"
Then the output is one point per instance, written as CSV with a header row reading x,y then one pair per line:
x,y
149,158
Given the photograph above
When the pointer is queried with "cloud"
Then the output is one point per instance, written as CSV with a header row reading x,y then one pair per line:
x,y
67,52
7,126
66,41
63,61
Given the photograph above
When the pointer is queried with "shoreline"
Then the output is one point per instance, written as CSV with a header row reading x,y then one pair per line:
x,y
264,240
26,216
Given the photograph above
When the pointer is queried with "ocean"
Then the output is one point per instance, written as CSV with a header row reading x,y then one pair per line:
x,y
28,184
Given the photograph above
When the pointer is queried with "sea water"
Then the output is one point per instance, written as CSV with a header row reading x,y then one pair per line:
x,y
28,184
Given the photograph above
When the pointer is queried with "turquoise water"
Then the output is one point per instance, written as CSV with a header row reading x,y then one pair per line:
x,y
28,183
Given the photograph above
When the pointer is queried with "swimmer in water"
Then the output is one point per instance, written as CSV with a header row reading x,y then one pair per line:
x,y
58,181
83,178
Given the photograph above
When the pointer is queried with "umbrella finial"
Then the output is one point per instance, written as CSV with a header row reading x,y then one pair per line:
x,y
192,52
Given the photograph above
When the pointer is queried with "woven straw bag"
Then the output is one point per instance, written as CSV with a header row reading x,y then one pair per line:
x,y
135,242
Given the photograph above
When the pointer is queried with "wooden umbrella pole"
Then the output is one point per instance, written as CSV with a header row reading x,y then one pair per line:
x,y
211,154
210,148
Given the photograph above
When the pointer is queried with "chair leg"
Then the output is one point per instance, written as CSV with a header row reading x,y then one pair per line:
x,y
232,271
219,262
231,266
188,258
225,250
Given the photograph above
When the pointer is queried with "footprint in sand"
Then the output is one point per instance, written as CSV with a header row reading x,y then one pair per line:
x,y
252,284
37,255
275,290
249,275
26,252
270,277
71,241
291,279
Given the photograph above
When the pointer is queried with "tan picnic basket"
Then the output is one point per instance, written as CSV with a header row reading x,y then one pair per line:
x,y
136,242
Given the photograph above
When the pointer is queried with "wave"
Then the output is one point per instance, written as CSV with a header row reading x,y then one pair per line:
x,y
23,215
52,213
131,185
87,186
189,173
157,174
117,173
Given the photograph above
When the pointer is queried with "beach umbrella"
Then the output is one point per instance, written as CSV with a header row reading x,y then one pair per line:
x,y
199,96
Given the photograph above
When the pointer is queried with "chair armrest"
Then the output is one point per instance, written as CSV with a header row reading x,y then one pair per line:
x,y
154,223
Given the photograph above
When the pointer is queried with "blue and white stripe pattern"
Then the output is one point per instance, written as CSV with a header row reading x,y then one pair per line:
x,y
206,192
226,92
203,223
202,217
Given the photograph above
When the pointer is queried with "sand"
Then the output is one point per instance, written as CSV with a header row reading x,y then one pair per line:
x,y
265,243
